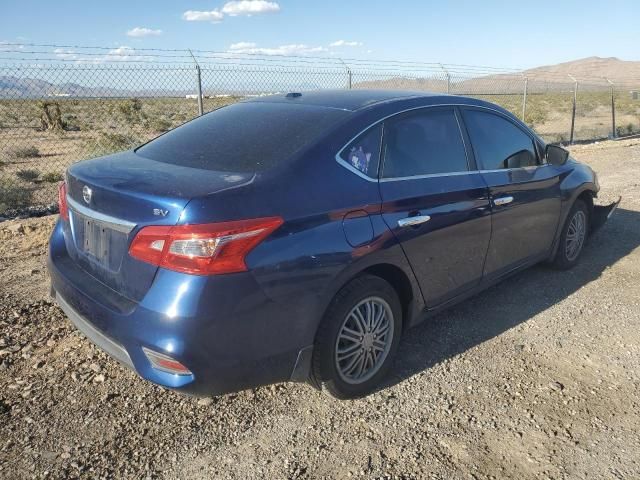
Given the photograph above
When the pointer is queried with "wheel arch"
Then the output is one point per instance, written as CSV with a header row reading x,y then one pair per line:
x,y
401,279
586,192
400,282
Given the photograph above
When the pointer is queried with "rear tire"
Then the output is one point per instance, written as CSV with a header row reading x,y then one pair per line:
x,y
573,237
358,338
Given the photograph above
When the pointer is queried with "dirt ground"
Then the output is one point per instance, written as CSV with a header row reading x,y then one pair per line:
x,y
538,377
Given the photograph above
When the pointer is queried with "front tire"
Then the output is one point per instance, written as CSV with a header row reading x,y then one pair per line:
x,y
358,338
573,237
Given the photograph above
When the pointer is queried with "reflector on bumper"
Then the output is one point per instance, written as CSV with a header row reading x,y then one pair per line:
x,y
165,363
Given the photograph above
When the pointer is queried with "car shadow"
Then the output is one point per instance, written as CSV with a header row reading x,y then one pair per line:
x,y
512,302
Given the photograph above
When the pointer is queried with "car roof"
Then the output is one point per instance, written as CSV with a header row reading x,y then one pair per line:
x,y
350,100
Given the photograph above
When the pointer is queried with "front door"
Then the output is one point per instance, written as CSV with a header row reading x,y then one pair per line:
x,y
524,192
434,201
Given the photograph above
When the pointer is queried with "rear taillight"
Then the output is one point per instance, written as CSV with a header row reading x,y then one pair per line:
x,y
62,201
207,249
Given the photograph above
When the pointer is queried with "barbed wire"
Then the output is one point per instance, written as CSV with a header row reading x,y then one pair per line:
x,y
168,56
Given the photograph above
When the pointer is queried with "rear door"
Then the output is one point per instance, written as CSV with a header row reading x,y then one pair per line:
x,y
524,191
434,201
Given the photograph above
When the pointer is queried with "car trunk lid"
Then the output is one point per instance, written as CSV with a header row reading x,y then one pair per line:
x,y
111,198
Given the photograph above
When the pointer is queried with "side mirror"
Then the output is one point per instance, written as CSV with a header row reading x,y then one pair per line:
x,y
556,155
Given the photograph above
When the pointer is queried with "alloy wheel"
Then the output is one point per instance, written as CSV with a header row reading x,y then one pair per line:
x,y
364,340
576,234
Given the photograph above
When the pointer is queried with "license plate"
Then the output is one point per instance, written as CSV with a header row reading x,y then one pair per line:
x,y
96,239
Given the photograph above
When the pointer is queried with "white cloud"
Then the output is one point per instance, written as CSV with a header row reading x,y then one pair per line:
x,y
143,32
291,49
213,16
344,43
65,54
123,53
7,46
120,54
242,45
249,7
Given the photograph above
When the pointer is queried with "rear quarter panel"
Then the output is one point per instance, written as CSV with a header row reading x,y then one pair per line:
x,y
308,259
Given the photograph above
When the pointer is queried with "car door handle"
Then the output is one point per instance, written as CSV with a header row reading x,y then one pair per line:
x,y
502,201
413,221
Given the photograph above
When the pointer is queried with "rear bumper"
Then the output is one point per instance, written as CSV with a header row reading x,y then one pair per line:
x,y
224,330
107,344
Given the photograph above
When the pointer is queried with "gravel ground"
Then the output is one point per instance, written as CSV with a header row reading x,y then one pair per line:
x,y
537,377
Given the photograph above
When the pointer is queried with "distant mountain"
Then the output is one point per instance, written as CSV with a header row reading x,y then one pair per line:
x,y
591,72
589,69
14,87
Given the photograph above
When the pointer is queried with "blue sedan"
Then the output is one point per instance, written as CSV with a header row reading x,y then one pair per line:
x,y
297,237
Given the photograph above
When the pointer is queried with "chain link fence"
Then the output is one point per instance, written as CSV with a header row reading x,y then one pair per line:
x,y
55,113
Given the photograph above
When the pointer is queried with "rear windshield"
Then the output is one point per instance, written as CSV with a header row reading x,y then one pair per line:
x,y
243,137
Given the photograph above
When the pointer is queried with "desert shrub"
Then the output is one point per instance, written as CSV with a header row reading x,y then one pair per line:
x,y
70,122
51,117
536,115
52,177
559,138
24,152
27,175
159,125
118,141
110,143
13,195
131,111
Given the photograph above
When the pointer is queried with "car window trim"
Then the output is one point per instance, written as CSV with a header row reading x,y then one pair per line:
x,y
360,174
430,175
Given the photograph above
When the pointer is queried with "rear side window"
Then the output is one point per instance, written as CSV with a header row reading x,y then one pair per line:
x,y
364,152
243,137
423,143
498,143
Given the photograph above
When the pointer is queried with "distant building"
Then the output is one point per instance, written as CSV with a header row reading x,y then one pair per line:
x,y
191,95
635,94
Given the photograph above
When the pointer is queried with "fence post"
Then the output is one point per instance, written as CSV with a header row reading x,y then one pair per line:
x,y
446,73
198,85
573,110
524,99
349,74
614,132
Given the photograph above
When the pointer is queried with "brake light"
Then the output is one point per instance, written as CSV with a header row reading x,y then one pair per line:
x,y
207,249
62,201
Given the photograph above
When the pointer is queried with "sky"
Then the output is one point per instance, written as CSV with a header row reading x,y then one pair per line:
x,y
484,32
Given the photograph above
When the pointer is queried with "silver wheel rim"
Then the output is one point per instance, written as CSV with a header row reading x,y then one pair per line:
x,y
364,340
575,235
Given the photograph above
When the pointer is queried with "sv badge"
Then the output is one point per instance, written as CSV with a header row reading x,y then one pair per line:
x,y
161,213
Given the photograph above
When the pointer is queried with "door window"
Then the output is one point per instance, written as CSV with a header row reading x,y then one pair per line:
x,y
423,143
498,143
364,152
